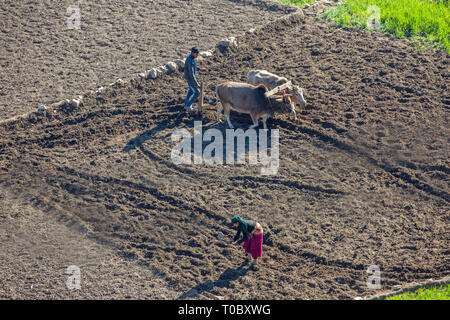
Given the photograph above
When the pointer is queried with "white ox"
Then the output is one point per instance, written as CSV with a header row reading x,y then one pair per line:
x,y
271,81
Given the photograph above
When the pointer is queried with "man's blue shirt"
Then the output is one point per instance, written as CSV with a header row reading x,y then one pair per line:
x,y
190,70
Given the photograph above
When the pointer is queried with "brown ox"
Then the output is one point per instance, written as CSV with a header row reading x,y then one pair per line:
x,y
249,99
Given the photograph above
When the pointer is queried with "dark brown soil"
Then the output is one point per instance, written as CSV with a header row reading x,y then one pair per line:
x,y
363,179
43,61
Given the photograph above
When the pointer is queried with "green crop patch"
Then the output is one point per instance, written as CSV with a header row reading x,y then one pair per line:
x,y
434,293
298,3
424,21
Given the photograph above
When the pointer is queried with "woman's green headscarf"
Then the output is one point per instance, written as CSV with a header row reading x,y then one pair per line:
x,y
242,224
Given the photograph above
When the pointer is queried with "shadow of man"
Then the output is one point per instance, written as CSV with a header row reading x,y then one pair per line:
x,y
223,281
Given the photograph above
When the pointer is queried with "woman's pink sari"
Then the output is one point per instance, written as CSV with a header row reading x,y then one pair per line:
x,y
254,244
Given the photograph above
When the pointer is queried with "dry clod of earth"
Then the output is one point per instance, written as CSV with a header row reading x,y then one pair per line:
x,y
180,64
225,43
168,68
64,102
206,54
75,103
69,105
161,70
148,74
152,74
118,82
171,67
99,90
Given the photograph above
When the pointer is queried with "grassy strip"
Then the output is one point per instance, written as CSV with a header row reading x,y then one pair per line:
x,y
435,293
298,3
423,20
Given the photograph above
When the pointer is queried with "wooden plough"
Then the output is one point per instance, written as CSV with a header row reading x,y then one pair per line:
x,y
200,98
